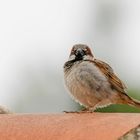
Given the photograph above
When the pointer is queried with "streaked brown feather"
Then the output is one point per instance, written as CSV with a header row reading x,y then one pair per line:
x,y
115,82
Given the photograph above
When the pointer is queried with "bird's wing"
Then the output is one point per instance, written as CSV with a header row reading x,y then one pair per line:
x,y
115,82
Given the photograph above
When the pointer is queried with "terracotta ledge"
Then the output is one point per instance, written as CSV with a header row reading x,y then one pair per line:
x,y
85,126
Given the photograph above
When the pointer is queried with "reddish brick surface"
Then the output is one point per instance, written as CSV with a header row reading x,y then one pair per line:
x,y
85,126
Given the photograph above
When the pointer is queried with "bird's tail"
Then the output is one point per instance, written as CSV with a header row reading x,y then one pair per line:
x,y
129,100
135,103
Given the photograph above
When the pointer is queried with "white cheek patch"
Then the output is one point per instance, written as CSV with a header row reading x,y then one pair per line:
x,y
87,57
72,57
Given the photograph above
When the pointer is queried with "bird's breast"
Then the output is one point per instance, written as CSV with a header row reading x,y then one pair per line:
x,y
86,83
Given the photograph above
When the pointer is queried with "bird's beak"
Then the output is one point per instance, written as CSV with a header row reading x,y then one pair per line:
x,y
79,53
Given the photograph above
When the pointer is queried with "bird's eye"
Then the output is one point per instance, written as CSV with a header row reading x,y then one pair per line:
x,y
72,51
85,50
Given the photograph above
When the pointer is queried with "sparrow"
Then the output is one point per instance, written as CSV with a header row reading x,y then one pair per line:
x,y
92,82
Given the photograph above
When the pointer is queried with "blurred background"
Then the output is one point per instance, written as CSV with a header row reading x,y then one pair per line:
x,y
36,38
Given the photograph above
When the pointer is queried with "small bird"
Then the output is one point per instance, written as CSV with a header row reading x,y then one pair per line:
x,y
92,82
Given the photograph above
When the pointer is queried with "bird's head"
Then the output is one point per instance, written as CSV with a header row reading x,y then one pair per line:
x,y
80,52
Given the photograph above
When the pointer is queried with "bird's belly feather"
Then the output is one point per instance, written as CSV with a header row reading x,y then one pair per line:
x,y
86,84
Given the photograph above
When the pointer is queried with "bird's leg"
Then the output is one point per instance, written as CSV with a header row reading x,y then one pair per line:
x,y
84,110
70,111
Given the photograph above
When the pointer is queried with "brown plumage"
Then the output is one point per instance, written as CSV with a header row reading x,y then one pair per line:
x,y
92,82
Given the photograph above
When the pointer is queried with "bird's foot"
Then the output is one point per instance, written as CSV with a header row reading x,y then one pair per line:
x,y
70,111
85,110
